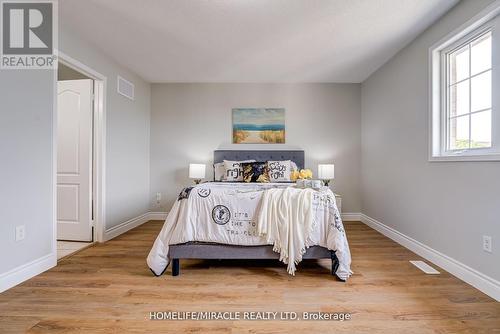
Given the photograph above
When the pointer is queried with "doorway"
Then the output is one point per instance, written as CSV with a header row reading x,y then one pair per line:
x,y
79,162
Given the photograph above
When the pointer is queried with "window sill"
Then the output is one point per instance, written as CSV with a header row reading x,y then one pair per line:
x,y
465,157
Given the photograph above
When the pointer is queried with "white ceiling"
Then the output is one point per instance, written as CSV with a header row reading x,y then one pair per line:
x,y
251,40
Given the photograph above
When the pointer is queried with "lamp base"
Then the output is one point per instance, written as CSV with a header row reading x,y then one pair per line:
x,y
326,183
197,181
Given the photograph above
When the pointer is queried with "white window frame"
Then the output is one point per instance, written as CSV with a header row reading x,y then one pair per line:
x,y
486,20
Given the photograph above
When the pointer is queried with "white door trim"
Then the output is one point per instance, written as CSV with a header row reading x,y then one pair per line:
x,y
99,143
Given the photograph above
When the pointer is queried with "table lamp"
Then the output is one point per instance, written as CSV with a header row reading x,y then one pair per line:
x,y
326,172
197,172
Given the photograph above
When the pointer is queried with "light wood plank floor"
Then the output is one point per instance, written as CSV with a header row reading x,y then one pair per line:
x,y
108,288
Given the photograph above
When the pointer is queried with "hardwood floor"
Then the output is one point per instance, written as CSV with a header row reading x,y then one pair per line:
x,y
108,288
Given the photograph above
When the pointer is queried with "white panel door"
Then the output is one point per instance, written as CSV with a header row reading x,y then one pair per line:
x,y
74,160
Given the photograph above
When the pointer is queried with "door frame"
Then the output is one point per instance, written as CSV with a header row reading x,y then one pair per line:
x,y
98,143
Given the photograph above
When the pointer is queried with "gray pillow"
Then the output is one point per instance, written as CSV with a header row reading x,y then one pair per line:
x,y
219,172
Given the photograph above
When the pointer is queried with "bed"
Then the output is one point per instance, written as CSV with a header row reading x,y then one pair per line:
x,y
183,238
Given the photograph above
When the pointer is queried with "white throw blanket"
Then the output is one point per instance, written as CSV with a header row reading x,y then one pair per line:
x,y
286,221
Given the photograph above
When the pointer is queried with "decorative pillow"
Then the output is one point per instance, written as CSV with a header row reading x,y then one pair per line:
x,y
255,172
279,171
233,171
219,172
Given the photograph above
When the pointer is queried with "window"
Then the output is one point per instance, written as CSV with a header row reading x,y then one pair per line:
x,y
468,94
465,115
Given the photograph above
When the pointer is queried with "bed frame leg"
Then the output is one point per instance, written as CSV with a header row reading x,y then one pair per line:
x,y
335,262
176,268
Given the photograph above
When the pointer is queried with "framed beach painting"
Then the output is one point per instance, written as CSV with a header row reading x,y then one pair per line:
x,y
258,126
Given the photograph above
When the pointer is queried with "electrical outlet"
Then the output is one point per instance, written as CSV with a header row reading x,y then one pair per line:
x,y
487,246
20,232
158,198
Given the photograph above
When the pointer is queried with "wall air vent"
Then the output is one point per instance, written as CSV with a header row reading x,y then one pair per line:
x,y
125,88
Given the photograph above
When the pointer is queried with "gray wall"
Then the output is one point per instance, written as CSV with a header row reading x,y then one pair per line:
x,y
445,205
190,121
127,131
26,100
26,135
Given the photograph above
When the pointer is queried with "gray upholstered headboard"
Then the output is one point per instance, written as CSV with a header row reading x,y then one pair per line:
x,y
296,156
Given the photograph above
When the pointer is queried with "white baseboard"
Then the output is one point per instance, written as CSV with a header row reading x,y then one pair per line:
x,y
125,226
158,215
38,266
351,216
133,223
480,281
26,271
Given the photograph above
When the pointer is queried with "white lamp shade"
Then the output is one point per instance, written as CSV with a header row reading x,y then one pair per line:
x,y
326,171
196,171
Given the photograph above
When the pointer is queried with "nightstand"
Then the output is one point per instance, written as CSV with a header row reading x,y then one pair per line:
x,y
338,199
